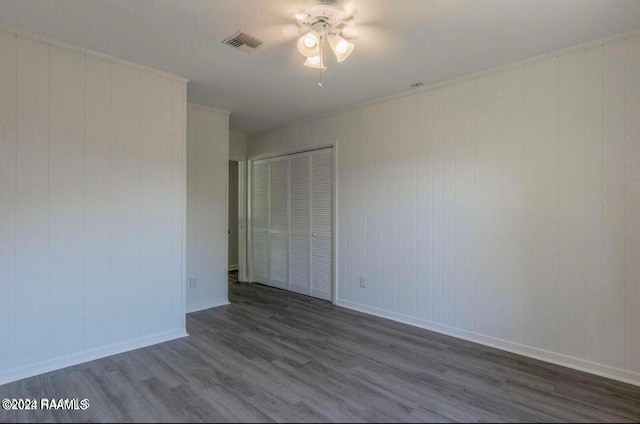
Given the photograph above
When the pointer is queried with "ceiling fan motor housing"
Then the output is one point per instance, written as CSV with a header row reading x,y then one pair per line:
x,y
324,21
322,16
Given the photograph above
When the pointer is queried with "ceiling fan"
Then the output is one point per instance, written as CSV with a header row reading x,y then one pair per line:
x,y
323,27
323,24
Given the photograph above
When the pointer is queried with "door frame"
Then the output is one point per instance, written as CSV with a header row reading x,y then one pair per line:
x,y
331,143
242,217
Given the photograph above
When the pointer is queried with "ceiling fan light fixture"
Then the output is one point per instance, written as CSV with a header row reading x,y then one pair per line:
x,y
314,62
324,22
309,44
341,47
310,41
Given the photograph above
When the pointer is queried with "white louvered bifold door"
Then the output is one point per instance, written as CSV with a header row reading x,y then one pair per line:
x,y
260,214
299,234
292,208
322,224
279,223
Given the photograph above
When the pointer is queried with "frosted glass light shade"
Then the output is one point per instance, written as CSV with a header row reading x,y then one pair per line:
x,y
314,62
309,44
341,47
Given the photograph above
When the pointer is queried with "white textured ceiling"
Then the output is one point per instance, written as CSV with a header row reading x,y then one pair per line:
x,y
400,42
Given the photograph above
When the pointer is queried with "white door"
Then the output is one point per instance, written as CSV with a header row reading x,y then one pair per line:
x,y
279,223
260,214
293,222
322,224
300,229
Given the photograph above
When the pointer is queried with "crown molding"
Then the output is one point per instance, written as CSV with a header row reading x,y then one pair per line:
x,y
82,50
209,109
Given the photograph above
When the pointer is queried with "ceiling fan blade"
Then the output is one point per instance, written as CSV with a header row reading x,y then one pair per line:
x,y
274,35
350,12
280,24
350,32
353,20
378,41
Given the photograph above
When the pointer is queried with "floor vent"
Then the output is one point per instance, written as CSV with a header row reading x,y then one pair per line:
x,y
243,41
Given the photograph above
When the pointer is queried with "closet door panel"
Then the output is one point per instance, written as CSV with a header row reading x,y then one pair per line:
x,y
260,206
299,264
299,248
293,223
279,202
261,257
279,260
279,223
322,224
322,192
322,268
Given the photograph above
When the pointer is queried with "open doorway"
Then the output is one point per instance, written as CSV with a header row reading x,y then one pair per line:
x,y
236,240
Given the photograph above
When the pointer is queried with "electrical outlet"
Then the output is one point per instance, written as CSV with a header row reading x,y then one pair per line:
x,y
193,283
363,282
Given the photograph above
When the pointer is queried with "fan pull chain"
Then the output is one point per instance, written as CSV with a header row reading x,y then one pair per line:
x,y
323,68
322,71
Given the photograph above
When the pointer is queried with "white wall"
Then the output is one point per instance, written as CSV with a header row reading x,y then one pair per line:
x,y
237,145
503,207
207,197
91,206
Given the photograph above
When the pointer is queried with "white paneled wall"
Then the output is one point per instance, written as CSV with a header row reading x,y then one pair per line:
x,y
503,208
8,209
91,206
207,209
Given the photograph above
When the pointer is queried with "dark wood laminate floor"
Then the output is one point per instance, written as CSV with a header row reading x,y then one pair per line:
x,y
276,356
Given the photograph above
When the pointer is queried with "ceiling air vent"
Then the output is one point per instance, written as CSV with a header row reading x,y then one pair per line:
x,y
243,41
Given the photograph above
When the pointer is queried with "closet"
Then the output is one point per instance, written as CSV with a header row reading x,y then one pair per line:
x,y
292,222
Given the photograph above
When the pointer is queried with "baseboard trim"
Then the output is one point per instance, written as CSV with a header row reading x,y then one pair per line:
x,y
206,305
601,370
91,355
233,268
